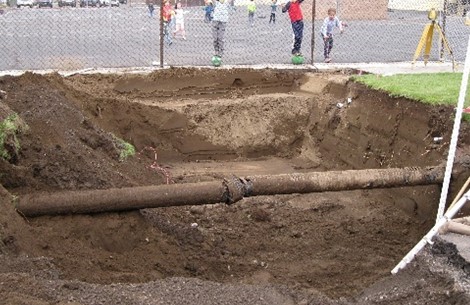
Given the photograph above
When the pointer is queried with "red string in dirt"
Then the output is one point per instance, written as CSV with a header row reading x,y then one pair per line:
x,y
166,174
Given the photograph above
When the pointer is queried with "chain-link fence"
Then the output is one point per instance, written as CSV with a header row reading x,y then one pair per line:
x,y
78,34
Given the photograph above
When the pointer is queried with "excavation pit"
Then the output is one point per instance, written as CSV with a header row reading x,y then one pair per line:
x,y
196,125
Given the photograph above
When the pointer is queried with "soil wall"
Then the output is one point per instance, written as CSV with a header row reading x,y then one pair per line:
x,y
375,130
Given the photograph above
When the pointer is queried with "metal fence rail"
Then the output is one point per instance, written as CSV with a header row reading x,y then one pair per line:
x,y
70,38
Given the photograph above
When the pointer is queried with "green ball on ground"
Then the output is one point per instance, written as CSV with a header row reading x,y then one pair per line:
x,y
216,61
297,59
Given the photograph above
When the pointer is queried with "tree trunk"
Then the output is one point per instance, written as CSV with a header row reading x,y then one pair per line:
x,y
229,190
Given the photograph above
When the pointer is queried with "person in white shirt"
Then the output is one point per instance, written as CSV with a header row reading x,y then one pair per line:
x,y
220,18
329,24
179,21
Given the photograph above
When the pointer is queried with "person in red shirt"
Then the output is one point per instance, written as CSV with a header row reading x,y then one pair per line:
x,y
167,16
297,20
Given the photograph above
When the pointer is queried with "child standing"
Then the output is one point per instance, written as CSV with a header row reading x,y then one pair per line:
x,y
151,7
251,12
329,24
219,23
272,17
179,21
167,16
209,9
296,18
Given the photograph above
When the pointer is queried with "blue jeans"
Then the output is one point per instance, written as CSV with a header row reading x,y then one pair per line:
x,y
298,28
272,18
328,45
166,33
251,18
218,33
208,17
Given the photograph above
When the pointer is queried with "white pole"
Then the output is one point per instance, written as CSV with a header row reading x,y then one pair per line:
x,y
455,135
428,237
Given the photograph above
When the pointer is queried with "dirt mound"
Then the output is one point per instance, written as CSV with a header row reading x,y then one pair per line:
x,y
64,149
193,125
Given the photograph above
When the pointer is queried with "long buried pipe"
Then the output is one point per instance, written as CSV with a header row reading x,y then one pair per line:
x,y
230,190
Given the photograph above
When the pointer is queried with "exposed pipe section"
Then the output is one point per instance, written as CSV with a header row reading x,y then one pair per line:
x,y
342,180
229,191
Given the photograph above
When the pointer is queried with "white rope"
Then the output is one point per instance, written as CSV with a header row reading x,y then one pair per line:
x,y
428,237
455,136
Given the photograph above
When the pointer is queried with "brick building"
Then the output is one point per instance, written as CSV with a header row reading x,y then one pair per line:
x,y
348,9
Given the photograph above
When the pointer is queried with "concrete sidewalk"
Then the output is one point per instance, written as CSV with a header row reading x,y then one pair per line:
x,y
374,68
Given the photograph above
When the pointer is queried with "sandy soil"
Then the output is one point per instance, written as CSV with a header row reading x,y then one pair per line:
x,y
198,125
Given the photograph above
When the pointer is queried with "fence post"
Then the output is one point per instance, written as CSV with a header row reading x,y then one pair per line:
x,y
444,18
312,43
161,32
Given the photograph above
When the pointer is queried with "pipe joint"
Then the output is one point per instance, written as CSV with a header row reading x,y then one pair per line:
x,y
234,189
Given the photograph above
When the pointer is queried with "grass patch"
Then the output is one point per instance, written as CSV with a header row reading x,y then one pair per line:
x,y
9,128
126,149
429,88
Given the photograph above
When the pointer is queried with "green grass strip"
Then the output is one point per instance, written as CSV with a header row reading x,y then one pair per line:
x,y
430,88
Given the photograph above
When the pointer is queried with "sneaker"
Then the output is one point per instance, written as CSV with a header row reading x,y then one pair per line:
x,y
327,59
298,54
